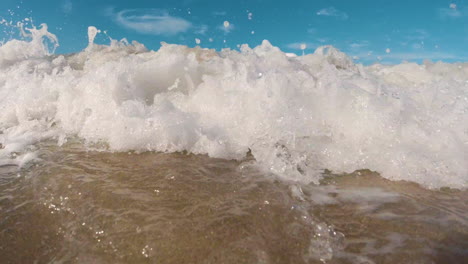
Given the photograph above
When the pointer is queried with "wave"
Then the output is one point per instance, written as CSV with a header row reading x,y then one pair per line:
x,y
297,115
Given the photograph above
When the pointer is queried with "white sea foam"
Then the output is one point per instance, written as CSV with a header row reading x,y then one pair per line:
x,y
297,115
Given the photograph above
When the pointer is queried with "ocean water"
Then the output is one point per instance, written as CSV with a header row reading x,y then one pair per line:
x,y
119,154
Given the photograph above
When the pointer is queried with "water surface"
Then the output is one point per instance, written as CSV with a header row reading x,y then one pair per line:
x,y
82,206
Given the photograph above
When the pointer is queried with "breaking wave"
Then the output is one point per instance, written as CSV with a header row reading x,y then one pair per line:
x,y
297,115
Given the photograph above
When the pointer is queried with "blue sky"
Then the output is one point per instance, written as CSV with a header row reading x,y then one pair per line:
x,y
368,30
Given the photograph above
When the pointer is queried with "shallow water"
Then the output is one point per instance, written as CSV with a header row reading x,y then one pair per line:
x,y
82,206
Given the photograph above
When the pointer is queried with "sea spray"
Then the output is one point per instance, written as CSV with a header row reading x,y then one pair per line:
x,y
297,116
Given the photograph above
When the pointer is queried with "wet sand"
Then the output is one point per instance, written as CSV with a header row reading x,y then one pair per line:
x,y
78,206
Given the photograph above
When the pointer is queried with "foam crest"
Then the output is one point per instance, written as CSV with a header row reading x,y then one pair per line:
x,y
39,42
296,115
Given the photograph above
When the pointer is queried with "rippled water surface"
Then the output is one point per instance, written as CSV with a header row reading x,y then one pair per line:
x,y
78,206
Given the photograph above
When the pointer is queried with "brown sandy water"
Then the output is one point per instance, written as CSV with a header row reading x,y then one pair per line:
x,y
78,206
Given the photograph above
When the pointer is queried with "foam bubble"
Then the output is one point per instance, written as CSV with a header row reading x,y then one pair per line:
x,y
296,115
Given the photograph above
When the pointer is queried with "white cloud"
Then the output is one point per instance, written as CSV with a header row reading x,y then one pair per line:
x,y
201,29
359,45
299,45
418,34
332,12
219,13
67,6
150,21
451,13
323,40
417,46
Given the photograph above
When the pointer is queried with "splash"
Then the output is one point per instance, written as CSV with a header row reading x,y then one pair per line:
x,y
92,33
35,43
296,115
